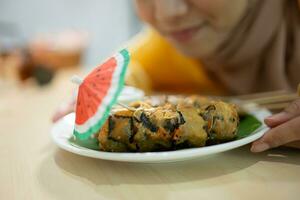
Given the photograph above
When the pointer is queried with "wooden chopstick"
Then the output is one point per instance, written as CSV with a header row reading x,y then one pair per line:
x,y
260,95
277,102
276,106
275,99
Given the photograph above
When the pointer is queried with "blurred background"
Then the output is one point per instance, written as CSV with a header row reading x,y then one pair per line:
x,y
38,38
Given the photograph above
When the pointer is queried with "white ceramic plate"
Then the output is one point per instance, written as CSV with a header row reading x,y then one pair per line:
x,y
62,131
130,94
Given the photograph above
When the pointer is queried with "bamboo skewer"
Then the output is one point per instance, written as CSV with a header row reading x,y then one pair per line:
x,y
127,107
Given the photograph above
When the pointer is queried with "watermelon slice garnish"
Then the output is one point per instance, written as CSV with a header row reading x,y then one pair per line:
x,y
97,94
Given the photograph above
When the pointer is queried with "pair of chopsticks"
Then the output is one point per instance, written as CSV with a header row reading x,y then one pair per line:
x,y
274,101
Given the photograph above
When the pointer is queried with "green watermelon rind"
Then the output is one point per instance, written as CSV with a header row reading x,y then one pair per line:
x,y
95,128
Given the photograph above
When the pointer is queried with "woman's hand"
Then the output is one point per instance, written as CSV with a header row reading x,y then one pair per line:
x,y
285,128
63,110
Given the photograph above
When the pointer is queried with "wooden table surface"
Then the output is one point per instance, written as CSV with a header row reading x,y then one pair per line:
x,y
32,167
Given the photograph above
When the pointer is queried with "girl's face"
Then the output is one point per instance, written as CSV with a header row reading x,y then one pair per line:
x,y
195,27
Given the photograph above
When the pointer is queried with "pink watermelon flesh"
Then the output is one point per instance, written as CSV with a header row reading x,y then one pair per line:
x,y
93,89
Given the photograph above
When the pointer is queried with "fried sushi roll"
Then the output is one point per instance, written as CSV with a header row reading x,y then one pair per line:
x,y
155,128
117,133
192,132
193,122
222,120
195,101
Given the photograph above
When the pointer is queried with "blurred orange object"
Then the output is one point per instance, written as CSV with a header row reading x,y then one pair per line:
x,y
10,64
60,50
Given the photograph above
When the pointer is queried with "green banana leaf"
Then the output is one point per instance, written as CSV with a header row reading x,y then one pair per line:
x,y
248,124
89,143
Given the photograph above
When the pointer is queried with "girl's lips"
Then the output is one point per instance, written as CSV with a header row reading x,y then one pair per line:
x,y
185,35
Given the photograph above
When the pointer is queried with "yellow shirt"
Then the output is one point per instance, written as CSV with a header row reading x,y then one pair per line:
x,y
156,66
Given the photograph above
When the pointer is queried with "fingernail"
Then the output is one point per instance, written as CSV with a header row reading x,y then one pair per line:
x,y
277,119
260,147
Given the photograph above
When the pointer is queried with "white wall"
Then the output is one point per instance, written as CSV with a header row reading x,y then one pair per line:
x,y
110,22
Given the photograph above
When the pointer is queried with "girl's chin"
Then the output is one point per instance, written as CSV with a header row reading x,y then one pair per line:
x,y
194,50
197,47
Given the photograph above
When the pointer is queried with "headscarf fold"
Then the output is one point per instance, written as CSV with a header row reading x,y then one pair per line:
x,y
263,52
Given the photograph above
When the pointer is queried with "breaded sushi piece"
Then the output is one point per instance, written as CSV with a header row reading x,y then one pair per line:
x,y
117,133
192,132
195,101
155,128
222,120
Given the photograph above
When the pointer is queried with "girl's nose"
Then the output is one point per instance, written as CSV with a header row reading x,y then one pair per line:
x,y
168,10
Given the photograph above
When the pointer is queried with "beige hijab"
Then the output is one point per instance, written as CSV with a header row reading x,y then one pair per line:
x,y
263,52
